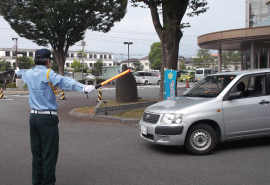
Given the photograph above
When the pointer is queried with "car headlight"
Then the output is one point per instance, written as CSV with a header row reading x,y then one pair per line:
x,y
172,118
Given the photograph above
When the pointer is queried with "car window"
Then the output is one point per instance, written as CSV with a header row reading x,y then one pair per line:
x,y
153,74
140,74
211,86
250,86
199,71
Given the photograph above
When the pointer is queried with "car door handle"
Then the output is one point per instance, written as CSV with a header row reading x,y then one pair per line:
x,y
264,102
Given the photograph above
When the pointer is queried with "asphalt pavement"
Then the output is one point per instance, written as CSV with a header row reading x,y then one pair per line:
x,y
96,152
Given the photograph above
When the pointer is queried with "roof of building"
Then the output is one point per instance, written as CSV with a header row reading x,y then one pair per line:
x,y
133,60
237,39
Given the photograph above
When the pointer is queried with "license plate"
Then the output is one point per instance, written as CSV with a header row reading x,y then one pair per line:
x,y
143,129
139,81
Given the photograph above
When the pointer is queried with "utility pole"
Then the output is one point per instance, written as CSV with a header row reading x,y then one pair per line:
x,y
128,43
16,51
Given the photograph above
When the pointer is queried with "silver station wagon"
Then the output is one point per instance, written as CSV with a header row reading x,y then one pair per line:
x,y
218,108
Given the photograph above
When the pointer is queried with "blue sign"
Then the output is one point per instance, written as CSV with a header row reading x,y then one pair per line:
x,y
169,84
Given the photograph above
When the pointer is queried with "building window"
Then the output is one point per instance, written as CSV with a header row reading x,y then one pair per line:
x,y
30,54
67,64
91,64
101,56
110,57
146,64
67,55
95,56
110,64
90,55
7,53
13,53
72,55
105,56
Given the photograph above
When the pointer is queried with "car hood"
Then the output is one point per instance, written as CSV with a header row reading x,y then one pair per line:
x,y
179,103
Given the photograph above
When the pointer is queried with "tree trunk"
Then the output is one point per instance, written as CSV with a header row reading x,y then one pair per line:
x,y
60,58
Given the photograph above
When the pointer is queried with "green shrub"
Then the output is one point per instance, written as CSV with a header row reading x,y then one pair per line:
x,y
11,85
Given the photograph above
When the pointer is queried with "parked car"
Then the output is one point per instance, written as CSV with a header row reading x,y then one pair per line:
x,y
90,77
221,107
190,76
202,73
146,77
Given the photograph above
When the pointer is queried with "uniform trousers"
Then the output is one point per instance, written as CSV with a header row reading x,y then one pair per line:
x,y
44,137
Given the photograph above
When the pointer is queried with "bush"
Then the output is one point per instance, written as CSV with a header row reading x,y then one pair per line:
x,y
11,85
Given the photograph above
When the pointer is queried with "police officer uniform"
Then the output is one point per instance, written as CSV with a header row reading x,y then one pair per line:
x,y
43,120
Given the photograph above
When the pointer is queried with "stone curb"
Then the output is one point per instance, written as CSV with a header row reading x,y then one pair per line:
x,y
106,118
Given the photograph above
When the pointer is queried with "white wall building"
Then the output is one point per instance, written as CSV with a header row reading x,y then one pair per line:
x,y
146,64
89,60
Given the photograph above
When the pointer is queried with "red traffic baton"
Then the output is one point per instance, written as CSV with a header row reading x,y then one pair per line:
x,y
112,78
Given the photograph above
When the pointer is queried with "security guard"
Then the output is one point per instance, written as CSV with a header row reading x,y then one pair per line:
x,y
43,121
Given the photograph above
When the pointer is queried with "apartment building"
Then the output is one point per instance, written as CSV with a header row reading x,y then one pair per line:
x,y
89,60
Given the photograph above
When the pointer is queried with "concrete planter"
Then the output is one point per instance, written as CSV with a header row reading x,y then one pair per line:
x,y
120,108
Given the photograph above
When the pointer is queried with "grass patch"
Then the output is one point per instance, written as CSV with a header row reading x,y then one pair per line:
x,y
85,110
113,102
136,114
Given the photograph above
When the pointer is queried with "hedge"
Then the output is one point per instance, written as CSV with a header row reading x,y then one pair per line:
x,y
11,85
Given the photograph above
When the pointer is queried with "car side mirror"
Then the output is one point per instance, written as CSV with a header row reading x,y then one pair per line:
x,y
235,95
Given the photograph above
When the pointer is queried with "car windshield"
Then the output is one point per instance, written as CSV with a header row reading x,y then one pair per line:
x,y
211,86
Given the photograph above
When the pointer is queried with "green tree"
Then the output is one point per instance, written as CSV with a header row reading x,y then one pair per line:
x,y
78,66
155,56
203,59
97,70
61,23
138,66
233,57
171,13
4,65
25,62
183,65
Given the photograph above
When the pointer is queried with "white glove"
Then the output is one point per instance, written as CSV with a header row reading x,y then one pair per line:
x,y
88,88
17,70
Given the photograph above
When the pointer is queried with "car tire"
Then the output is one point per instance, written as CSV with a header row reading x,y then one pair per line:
x,y
201,139
158,82
146,82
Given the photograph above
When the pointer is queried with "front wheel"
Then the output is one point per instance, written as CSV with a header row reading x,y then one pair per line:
x,y
158,82
201,139
146,82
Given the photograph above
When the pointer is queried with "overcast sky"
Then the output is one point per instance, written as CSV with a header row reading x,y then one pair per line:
x,y
137,27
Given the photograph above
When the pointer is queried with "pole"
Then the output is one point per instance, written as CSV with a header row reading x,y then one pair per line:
x,y
16,51
128,54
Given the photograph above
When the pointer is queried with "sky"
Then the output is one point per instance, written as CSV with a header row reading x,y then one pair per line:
x,y
137,27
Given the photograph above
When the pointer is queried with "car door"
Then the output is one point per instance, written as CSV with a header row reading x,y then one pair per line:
x,y
248,115
154,78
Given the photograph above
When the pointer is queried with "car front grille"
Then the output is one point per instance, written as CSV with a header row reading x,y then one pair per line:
x,y
150,118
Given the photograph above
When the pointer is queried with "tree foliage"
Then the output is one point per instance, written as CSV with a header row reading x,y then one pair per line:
x,y
97,69
61,23
233,57
138,66
78,66
25,62
4,65
167,18
155,56
203,59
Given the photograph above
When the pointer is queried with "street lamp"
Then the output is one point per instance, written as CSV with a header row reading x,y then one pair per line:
x,y
16,51
128,43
